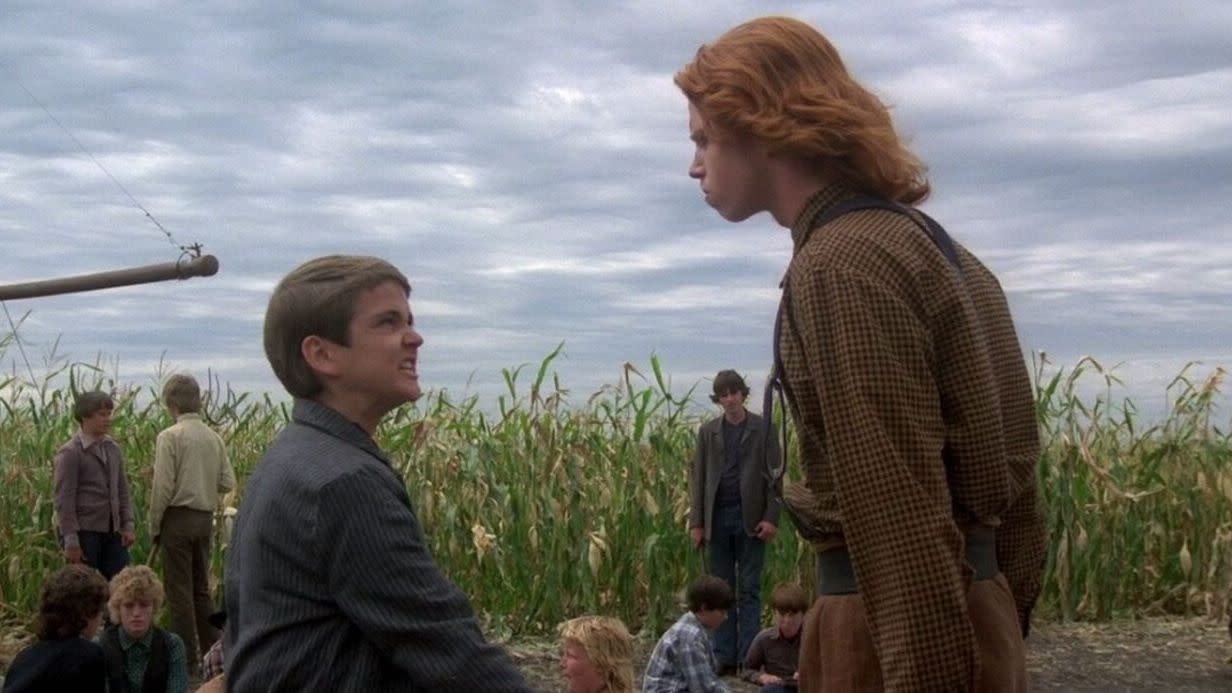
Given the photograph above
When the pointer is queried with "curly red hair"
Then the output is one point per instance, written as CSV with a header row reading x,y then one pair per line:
x,y
780,81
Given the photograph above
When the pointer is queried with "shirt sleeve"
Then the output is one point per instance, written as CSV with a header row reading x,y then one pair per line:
x,y
163,486
696,667
127,518
212,662
177,668
1022,548
385,581
905,548
774,487
755,659
66,497
697,484
226,477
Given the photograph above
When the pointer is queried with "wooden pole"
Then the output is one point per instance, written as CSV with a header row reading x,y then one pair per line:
x,y
204,266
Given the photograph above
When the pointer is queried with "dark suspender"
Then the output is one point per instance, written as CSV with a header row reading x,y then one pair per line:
x,y
775,383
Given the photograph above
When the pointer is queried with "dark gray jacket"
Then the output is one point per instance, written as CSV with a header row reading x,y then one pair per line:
x,y
760,499
329,584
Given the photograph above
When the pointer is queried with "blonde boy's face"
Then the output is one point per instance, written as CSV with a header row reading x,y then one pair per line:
x,y
582,674
789,622
136,617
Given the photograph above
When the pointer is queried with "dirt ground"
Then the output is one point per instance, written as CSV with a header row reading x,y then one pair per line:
x,y
1158,654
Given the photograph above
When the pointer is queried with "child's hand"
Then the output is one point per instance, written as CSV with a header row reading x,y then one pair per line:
x,y
768,680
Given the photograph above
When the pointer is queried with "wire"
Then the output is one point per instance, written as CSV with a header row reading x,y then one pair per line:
x,y
98,163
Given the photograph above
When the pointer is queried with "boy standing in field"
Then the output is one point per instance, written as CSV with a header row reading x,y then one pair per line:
x,y
682,660
191,473
93,510
329,583
904,374
734,508
775,654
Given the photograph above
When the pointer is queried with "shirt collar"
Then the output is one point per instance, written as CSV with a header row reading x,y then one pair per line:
x,y
126,641
317,415
190,416
88,440
776,634
821,200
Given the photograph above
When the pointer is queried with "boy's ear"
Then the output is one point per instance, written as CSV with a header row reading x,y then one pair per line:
x,y
319,353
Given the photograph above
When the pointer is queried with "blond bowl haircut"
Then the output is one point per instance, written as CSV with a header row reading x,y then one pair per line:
x,y
318,299
183,394
136,583
607,645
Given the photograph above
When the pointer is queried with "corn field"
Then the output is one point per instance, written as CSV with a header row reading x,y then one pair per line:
x,y
542,510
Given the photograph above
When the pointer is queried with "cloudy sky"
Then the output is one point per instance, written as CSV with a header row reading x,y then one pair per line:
x,y
525,164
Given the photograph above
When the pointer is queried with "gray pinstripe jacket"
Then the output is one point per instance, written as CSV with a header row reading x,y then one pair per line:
x,y
329,584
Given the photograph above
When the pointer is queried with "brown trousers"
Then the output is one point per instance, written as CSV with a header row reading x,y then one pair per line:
x,y
837,653
185,544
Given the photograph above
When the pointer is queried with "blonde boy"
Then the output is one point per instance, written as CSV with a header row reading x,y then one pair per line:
x,y
141,656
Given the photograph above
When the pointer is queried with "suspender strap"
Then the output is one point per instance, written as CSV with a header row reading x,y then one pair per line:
x,y
775,383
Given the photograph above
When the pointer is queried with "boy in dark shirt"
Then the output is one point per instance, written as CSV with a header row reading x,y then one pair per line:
x,y
64,658
329,582
775,653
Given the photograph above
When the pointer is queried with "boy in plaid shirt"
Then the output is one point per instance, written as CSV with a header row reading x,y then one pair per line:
x,y
683,659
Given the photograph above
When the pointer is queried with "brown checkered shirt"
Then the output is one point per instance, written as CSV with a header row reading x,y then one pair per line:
x,y
889,356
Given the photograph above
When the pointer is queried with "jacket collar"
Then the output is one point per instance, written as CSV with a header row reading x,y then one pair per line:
x,y
821,200
316,415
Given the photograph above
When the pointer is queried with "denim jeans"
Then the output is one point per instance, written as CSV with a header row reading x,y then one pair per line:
x,y
737,558
103,551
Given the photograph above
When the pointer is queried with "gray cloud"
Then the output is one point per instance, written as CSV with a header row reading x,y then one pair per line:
x,y
525,165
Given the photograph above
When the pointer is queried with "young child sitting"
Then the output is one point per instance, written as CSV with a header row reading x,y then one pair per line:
x,y
775,653
596,655
683,659
141,657
64,658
